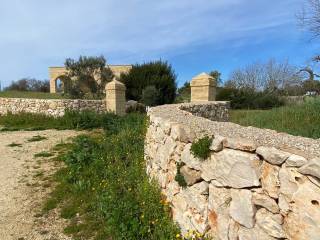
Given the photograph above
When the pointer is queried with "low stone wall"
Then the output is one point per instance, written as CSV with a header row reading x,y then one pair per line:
x,y
215,111
51,107
257,184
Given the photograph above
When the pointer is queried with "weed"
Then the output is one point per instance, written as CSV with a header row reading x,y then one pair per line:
x,y
43,154
201,148
36,138
15,144
179,177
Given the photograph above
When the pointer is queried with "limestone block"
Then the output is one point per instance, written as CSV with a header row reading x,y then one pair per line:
x,y
311,168
273,155
203,88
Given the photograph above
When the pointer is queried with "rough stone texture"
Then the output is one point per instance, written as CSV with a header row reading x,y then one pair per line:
x,y
273,155
270,223
242,209
231,168
116,97
311,168
240,178
203,88
50,107
191,176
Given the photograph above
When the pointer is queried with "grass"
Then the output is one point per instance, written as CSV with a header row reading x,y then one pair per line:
x,y
104,190
301,120
71,120
43,154
37,138
26,94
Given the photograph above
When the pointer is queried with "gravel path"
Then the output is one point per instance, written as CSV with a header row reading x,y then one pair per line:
x,y
22,191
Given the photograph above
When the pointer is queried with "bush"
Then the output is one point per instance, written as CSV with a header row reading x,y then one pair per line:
x,y
201,148
248,99
179,177
158,74
29,84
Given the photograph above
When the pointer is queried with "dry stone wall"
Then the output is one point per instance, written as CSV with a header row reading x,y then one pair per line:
x,y
50,107
256,185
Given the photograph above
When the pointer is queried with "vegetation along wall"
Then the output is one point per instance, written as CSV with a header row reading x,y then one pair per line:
x,y
51,107
233,182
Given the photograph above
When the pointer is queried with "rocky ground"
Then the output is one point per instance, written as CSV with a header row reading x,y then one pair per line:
x,y
25,184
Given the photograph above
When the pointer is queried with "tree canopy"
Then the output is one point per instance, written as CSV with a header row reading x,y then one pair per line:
x,y
152,83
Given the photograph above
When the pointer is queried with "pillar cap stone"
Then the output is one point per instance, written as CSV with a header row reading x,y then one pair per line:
x,y
203,79
115,85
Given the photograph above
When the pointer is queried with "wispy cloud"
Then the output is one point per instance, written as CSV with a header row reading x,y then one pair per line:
x,y
36,34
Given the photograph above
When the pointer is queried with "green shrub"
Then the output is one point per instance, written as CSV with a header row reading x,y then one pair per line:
x,y
245,99
158,74
201,148
179,177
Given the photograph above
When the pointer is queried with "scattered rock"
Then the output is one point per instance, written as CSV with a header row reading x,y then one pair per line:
x,y
273,155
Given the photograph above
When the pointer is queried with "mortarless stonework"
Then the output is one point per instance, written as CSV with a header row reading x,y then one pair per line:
x,y
50,107
257,183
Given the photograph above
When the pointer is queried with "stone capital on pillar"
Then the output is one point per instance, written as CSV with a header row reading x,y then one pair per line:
x,y
116,97
203,88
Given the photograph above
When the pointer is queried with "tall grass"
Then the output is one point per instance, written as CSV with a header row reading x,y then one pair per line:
x,y
105,182
302,120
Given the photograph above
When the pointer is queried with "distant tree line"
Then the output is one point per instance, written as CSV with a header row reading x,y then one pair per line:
x,y
29,84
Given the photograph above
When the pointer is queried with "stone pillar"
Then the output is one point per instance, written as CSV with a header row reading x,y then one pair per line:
x,y
116,97
203,88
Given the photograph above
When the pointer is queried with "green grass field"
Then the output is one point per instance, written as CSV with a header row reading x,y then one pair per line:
x,y
302,120
22,94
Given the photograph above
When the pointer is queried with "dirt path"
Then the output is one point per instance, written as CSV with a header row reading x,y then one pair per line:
x,y
22,192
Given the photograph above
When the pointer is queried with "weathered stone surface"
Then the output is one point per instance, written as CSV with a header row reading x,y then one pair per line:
x,y
217,143
263,200
273,155
270,223
289,179
232,168
242,209
302,221
311,168
182,133
270,179
240,144
255,233
296,161
188,158
191,176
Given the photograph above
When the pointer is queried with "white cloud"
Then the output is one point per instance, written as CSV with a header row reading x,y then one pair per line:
x,y
37,33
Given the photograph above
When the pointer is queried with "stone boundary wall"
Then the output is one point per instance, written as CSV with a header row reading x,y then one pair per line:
x,y
257,184
50,107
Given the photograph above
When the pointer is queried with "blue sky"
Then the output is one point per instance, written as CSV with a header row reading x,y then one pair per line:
x,y
193,35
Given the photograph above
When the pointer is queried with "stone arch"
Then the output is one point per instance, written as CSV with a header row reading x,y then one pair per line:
x,y
55,74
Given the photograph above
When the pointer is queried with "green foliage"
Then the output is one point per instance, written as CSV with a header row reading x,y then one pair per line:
x,y
81,80
302,120
201,147
29,94
217,76
179,177
43,154
29,84
247,99
158,74
150,95
184,93
105,182
71,120
37,138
